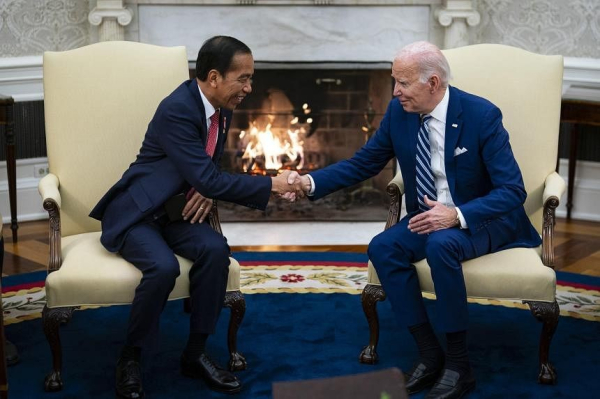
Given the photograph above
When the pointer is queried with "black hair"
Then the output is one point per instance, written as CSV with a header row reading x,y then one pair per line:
x,y
217,53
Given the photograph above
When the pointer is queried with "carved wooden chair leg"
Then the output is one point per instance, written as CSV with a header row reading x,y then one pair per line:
x,y
235,301
52,320
370,296
547,313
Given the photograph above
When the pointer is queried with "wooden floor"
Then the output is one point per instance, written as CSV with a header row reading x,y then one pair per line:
x,y
577,247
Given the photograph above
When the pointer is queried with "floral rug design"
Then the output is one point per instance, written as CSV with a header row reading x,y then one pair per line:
x,y
259,277
573,301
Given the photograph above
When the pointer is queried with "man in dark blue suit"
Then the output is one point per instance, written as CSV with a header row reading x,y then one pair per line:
x,y
158,209
464,198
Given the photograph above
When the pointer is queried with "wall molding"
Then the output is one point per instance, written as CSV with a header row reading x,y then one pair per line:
x,y
22,78
581,79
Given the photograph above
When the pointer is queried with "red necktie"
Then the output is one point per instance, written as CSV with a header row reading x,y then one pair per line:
x,y
213,132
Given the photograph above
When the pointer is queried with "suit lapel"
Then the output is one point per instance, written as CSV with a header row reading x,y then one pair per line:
x,y
224,115
224,122
453,131
413,123
195,91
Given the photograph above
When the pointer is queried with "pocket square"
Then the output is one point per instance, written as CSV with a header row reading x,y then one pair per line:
x,y
458,151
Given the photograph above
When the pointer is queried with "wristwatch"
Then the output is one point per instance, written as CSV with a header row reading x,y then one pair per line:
x,y
457,220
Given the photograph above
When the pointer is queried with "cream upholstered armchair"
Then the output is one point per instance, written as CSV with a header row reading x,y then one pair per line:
x,y
98,101
527,88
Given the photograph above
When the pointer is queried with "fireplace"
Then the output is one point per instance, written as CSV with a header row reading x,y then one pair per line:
x,y
320,67
305,119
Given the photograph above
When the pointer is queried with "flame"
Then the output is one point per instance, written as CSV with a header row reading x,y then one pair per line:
x,y
275,146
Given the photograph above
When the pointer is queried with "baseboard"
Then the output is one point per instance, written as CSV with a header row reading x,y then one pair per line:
x,y
29,203
300,233
586,192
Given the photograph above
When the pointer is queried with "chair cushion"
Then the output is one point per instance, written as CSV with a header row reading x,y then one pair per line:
x,y
516,274
90,275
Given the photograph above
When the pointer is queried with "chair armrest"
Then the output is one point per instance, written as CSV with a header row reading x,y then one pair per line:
x,y
554,189
398,182
395,190
48,188
554,186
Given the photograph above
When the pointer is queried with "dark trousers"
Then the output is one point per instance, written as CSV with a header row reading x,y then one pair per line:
x,y
393,252
151,247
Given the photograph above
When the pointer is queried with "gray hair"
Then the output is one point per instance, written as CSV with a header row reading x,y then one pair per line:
x,y
429,59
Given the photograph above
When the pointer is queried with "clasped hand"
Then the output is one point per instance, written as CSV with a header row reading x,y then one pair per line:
x,y
290,186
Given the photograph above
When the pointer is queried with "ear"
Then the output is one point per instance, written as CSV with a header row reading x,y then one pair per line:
x,y
434,83
213,77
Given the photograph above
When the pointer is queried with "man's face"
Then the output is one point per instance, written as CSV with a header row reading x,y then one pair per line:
x,y
414,95
236,83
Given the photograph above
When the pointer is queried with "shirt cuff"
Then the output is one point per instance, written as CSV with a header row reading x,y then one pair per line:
x,y
461,218
311,192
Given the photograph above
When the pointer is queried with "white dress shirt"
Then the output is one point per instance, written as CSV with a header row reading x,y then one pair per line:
x,y
209,110
437,136
437,141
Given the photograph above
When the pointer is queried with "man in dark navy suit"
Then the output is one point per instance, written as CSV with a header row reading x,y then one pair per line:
x,y
464,198
159,206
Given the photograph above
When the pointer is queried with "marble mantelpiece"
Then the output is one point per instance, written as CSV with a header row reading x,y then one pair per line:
x,y
320,31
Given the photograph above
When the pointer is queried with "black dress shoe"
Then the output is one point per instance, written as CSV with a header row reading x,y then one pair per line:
x,y
129,380
421,377
214,376
452,385
12,355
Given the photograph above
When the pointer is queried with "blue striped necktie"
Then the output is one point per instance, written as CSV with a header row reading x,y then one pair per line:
x,y
425,181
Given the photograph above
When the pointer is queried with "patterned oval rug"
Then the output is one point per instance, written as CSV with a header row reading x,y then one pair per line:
x,y
578,296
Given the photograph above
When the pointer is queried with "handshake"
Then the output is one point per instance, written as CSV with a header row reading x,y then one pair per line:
x,y
290,185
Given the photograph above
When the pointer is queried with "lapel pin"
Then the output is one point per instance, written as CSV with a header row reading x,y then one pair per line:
x,y
454,125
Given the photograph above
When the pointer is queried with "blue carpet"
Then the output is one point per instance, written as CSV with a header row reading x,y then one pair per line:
x,y
301,336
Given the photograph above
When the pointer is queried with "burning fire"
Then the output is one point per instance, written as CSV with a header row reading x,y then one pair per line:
x,y
274,148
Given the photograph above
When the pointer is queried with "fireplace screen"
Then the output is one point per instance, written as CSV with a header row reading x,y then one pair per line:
x,y
306,119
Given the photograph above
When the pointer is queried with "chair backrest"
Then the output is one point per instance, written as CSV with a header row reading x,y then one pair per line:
x,y
527,88
98,102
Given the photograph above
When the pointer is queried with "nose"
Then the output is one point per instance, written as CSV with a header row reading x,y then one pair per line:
x,y
397,91
247,88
